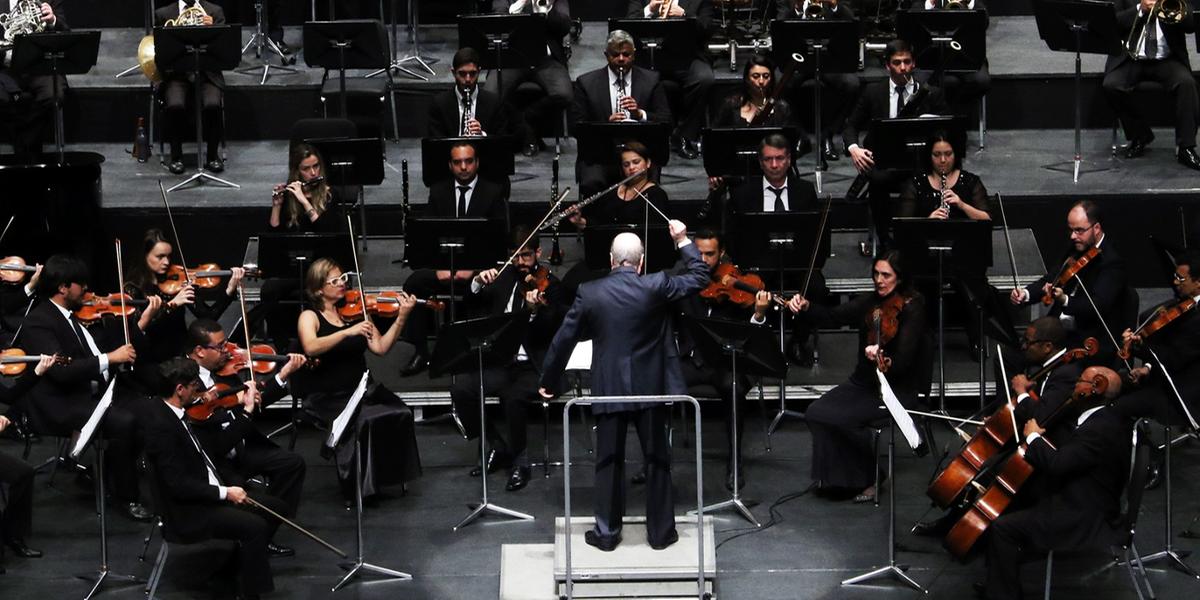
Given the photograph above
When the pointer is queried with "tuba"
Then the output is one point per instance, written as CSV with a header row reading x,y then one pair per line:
x,y
192,16
24,18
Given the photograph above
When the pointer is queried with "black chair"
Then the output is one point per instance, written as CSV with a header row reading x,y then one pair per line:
x,y
373,94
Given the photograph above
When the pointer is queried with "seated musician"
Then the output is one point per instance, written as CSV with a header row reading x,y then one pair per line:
x,y
16,297
617,92
177,94
625,204
465,195
229,437
695,370
779,189
197,501
549,71
839,91
962,89
515,383
753,105
1154,50
16,514
1089,470
898,96
27,101
62,402
467,109
304,204
843,457
697,78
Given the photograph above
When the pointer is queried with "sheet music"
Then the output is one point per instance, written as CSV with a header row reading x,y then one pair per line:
x,y
581,357
89,428
901,416
343,420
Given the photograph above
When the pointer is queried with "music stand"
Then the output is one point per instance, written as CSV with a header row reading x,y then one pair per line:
x,y
671,42
659,247
504,41
816,47
490,340
718,338
995,321
600,142
198,49
926,245
341,45
281,252
397,64
932,32
732,152
1077,26
452,244
353,162
56,53
899,143
260,41
493,153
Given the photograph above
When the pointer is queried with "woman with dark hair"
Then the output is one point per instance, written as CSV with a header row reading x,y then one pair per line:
x,y
625,204
302,205
741,108
944,181
843,456
384,423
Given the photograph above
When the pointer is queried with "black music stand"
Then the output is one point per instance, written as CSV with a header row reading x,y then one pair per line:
x,y
927,244
1079,26
504,41
816,47
354,162
717,339
56,53
466,346
341,45
600,142
280,253
954,40
671,43
732,153
198,49
898,144
659,247
453,244
493,152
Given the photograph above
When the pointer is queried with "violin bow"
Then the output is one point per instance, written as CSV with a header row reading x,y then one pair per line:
x,y
1103,324
246,330
121,290
187,276
1008,393
812,259
651,205
535,230
362,296
6,227
1170,380
282,519
1012,259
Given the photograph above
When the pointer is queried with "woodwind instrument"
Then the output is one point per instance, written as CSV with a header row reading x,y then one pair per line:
x,y
467,113
556,255
945,206
404,206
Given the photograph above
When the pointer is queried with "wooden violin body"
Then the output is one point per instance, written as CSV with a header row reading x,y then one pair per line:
x,y
1069,270
1162,318
112,305
729,284
207,275
383,304
263,359
13,269
222,396
13,361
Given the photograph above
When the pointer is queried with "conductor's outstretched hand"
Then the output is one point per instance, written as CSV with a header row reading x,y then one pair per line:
x,y
678,230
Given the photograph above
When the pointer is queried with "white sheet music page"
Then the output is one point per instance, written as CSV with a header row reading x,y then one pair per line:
x,y
901,416
89,428
343,420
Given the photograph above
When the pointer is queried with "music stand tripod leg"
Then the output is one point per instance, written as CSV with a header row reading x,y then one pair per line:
x,y
360,565
395,65
1174,558
735,501
103,574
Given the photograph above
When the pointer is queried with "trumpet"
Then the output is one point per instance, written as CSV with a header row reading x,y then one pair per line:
x,y
1169,12
24,18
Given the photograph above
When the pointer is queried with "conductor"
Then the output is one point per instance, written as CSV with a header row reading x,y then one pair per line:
x,y
627,315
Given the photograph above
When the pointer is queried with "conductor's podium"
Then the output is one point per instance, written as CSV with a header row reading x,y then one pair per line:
x,y
633,570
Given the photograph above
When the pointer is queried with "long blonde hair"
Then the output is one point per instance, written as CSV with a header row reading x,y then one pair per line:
x,y
314,280
319,197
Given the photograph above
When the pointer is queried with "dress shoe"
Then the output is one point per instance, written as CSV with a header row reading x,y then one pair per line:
x,y
215,165
1136,148
1188,158
936,528
639,478
803,147
604,544
741,480
688,150
828,151
283,47
415,365
175,165
671,539
18,547
518,479
867,495
137,512
496,460
277,551
1154,477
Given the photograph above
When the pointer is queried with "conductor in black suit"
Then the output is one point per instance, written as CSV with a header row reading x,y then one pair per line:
x,y
900,95
196,502
549,71
1089,473
27,101
627,316
1157,52
61,402
620,92
176,89
467,109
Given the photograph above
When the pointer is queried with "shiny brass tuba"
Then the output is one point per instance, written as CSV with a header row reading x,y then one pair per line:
x,y
1170,12
192,16
24,18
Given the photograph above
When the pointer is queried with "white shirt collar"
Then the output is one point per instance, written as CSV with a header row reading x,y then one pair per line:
x,y
469,184
767,184
1101,240
62,310
1087,413
175,409
612,78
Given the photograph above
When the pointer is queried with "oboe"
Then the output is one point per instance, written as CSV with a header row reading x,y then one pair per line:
x,y
556,256
404,207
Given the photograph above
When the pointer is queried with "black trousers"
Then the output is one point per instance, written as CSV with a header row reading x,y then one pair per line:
x,y
1156,401
839,92
722,380
517,386
284,470
696,81
423,283
27,105
843,456
252,529
651,424
1174,76
16,498
1015,536
176,95
123,445
553,78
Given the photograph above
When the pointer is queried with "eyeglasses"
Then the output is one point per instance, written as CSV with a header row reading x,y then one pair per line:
x,y
1180,278
343,278
1081,230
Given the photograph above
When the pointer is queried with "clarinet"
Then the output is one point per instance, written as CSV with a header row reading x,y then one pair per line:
x,y
556,255
466,116
404,207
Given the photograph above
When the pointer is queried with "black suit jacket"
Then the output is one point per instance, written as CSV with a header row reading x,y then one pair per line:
x,y
591,103
445,122
875,101
171,11
748,197
558,24
1106,280
1178,347
60,24
487,201
494,299
784,10
232,429
1127,19
1052,393
701,10
187,494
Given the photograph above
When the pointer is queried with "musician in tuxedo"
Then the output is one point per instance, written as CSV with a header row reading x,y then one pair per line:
x,y
1108,299
627,317
27,101
467,109
696,78
779,189
236,446
497,292
176,89
549,71
61,402
16,509
838,90
1156,50
900,95
1088,472
962,89
616,93
465,195
196,501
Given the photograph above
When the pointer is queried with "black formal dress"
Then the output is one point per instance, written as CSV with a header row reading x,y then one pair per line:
x,y
842,453
549,72
729,114
696,75
384,425
839,91
1177,348
165,337
610,209
628,318
962,89
918,198
446,113
27,101
177,93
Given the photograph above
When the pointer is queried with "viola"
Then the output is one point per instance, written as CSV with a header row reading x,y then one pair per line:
x,y
1162,317
729,284
14,360
383,304
263,359
94,307
1010,477
14,268
207,275
222,395
1069,270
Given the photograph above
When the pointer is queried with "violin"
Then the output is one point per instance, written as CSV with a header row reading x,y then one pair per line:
x,y
538,279
884,320
14,268
207,275
383,304
729,284
112,305
14,360
1161,318
1010,477
263,359
1069,270
223,396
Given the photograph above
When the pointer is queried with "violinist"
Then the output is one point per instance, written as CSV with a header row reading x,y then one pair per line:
x,y
516,383
1104,277
1089,471
303,204
384,422
61,402
843,458
16,515
236,446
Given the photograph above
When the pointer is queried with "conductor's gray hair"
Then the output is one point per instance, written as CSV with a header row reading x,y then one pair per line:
x,y
626,250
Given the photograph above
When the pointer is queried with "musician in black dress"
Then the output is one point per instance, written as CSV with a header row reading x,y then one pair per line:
x,y
747,106
943,179
625,204
843,457
303,205
384,425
